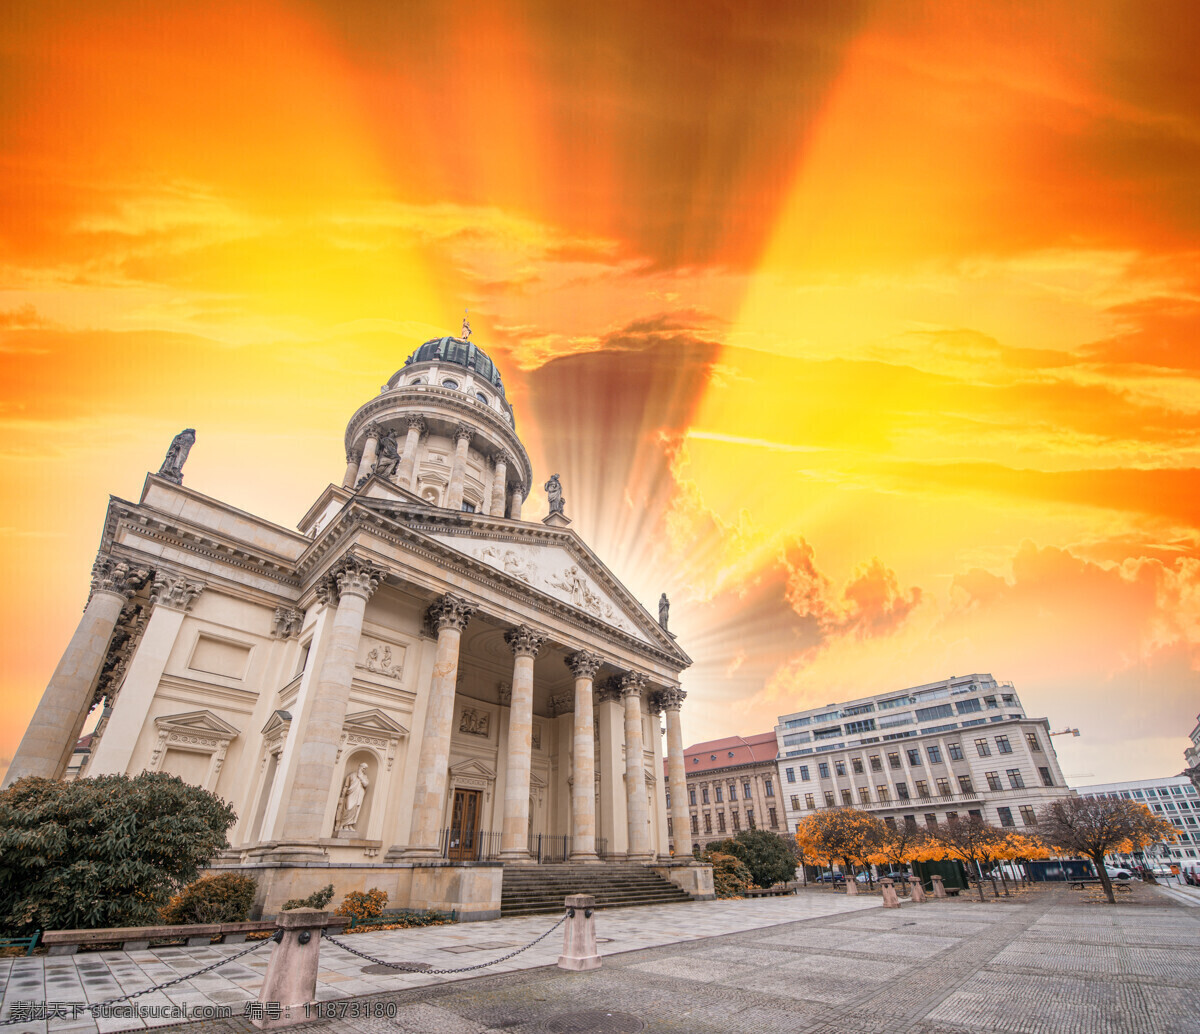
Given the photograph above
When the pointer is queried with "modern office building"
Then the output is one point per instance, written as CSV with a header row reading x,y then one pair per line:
x,y
1191,756
1173,798
732,785
922,756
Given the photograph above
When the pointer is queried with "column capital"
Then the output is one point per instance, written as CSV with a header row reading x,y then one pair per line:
x,y
462,431
415,420
652,702
672,698
373,429
175,591
119,577
449,611
609,689
288,622
562,704
524,641
583,665
632,683
352,575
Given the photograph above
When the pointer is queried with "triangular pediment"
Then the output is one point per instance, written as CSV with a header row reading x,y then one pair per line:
x,y
472,768
201,723
279,720
375,723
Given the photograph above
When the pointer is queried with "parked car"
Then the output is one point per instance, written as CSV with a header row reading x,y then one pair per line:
x,y
1118,873
829,877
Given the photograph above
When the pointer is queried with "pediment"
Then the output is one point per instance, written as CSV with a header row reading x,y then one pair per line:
x,y
198,723
374,723
279,721
472,768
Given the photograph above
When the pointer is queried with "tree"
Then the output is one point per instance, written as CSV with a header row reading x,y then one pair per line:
x,y
767,855
971,840
840,833
1097,826
900,845
102,852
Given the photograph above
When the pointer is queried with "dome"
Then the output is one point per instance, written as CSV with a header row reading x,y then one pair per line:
x,y
461,353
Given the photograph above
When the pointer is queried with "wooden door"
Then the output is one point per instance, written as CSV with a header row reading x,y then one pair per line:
x,y
464,826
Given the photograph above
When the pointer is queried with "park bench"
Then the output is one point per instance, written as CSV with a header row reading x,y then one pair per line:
x,y
138,938
28,943
768,892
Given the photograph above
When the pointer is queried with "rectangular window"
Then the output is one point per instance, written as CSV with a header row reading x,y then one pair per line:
x,y
1034,743
804,773
931,820
935,754
893,759
867,725
769,787
771,816
975,814
955,751
910,821
707,823
928,714
809,801
889,821
922,788
737,821
983,748
720,822
1006,818
914,757
1047,778
965,784
876,764
1028,817
670,832
696,824
692,796
857,765
951,816
864,795
839,767
1003,745
750,817
1014,779
882,791
847,798
746,791
902,791
943,787
668,800
823,769
993,779
704,795
829,801
720,792
732,792
968,706
791,774
795,802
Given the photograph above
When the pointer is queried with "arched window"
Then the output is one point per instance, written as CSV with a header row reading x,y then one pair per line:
x,y
482,397
448,383
417,380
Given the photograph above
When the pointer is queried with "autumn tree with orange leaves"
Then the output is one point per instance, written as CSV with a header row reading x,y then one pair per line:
x,y
840,834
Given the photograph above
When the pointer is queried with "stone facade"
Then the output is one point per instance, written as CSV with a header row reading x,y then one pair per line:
x,y
412,686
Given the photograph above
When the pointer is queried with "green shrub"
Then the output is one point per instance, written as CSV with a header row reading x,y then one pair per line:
x,y
730,875
767,855
359,904
212,899
317,899
102,852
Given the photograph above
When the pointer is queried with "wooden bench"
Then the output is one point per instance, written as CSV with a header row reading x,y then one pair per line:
x,y
138,938
768,892
28,943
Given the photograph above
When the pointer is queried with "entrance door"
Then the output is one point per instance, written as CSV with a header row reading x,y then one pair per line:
x,y
464,826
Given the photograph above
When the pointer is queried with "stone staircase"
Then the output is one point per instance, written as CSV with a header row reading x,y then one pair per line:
x,y
539,889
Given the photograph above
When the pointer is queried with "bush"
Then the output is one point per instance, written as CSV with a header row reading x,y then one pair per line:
x,y
361,905
767,855
102,852
730,876
212,899
317,899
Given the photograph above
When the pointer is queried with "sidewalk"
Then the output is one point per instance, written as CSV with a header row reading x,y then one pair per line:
x,y
99,976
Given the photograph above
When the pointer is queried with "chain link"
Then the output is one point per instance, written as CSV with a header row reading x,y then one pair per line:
x,y
409,967
93,1006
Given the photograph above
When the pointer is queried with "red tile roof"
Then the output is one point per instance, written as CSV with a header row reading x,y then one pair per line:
x,y
730,751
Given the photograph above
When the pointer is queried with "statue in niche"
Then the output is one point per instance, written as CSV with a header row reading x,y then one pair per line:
x,y
354,792
172,465
553,489
388,455
664,610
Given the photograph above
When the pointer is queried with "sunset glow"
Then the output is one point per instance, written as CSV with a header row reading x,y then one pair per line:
x,y
867,331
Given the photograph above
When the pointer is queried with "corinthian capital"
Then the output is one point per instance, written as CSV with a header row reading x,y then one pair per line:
x,y
609,689
174,591
416,421
462,431
524,641
449,611
352,575
583,665
117,576
672,698
632,683
373,429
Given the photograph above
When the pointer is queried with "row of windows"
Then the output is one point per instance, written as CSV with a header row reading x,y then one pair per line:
x,y
734,817
941,788
452,384
768,789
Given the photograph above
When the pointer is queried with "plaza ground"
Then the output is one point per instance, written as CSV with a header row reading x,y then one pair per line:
x,y
1053,960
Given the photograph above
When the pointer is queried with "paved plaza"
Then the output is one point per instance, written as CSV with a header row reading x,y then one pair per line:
x,y
1053,960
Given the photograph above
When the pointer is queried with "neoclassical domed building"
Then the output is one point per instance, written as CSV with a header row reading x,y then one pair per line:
x,y
415,690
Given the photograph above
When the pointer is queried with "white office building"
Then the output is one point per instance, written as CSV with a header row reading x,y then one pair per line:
x,y
1173,798
924,755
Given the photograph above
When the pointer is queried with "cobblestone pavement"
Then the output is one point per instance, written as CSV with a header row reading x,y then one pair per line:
x,y
1051,961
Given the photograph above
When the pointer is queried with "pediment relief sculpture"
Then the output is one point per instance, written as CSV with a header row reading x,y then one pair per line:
x,y
475,722
380,661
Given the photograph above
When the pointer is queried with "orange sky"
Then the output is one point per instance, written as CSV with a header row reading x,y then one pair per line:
x,y
865,330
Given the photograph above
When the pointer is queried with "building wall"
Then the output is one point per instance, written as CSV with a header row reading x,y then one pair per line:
x,y
1174,799
717,819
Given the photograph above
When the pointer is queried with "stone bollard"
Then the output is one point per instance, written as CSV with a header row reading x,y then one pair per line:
x,y
939,889
889,894
579,934
291,981
851,885
916,890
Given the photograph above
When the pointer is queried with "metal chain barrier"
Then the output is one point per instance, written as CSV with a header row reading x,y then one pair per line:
x,y
409,967
93,1006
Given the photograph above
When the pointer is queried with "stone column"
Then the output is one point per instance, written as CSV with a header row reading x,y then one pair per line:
x,y
514,505
514,837
458,470
172,597
348,585
408,456
370,451
499,487
611,823
49,741
632,687
681,823
583,666
449,615
351,474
